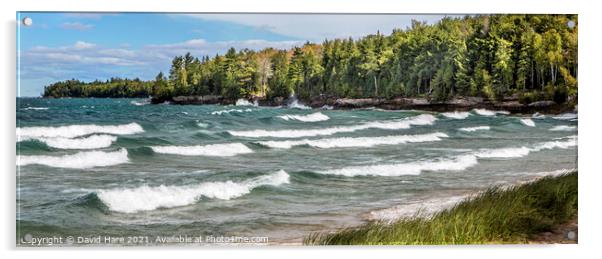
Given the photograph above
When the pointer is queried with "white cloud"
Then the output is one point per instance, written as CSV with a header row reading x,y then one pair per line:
x,y
76,26
317,27
83,45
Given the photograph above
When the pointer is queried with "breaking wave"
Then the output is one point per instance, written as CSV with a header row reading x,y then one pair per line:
x,y
413,168
230,111
424,119
73,131
36,108
229,149
91,142
145,198
314,117
527,122
245,102
295,104
566,116
355,142
484,112
456,115
564,128
472,129
81,160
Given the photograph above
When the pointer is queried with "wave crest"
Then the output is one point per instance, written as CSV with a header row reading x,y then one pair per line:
x,y
81,160
527,122
229,149
473,129
485,112
145,198
355,142
314,117
91,142
563,128
423,119
73,131
456,115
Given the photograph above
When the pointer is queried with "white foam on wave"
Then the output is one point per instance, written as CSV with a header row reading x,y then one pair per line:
x,y
527,122
245,102
73,131
228,149
81,160
413,168
424,119
566,116
91,142
36,108
563,128
503,152
473,129
295,104
485,112
456,115
314,117
230,111
457,163
355,142
145,198
140,103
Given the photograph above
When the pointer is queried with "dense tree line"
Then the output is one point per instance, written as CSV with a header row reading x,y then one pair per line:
x,y
492,56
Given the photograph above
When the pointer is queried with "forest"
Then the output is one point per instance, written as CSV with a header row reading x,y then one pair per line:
x,y
530,57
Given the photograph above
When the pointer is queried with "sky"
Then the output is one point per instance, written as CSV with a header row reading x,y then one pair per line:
x,y
88,46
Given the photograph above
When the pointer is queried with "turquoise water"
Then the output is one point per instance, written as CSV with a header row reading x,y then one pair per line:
x,y
119,167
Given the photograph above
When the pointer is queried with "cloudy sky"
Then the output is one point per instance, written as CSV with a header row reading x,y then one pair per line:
x,y
88,46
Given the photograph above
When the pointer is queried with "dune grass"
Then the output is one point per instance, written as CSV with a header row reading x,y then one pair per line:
x,y
495,216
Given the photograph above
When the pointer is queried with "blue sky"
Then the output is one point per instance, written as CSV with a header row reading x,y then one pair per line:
x,y
88,46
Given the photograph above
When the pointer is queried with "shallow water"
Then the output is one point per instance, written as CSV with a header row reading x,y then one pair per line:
x,y
125,167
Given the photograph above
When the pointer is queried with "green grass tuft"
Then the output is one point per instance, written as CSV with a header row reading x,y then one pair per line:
x,y
497,215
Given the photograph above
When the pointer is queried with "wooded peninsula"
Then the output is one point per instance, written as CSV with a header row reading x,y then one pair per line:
x,y
511,60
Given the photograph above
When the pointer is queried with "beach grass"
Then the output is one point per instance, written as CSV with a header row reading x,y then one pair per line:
x,y
499,215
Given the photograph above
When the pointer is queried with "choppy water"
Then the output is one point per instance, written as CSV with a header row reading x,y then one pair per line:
x,y
123,167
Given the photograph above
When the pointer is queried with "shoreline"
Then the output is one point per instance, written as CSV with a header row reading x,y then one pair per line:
x,y
511,105
556,234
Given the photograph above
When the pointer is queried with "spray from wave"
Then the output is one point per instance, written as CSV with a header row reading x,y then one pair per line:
x,y
229,149
145,198
423,119
314,117
355,142
81,160
245,102
295,104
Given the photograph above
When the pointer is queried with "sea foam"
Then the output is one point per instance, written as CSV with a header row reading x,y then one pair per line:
x,y
228,149
230,111
473,129
484,112
412,168
424,119
73,131
355,142
314,117
81,160
527,122
145,198
563,128
456,115
91,142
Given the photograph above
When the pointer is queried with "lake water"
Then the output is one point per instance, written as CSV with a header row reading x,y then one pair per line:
x,y
120,167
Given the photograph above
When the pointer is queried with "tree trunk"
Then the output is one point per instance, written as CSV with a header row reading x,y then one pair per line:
x,y
375,87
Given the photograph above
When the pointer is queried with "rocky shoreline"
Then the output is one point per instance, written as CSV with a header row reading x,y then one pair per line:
x,y
510,104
